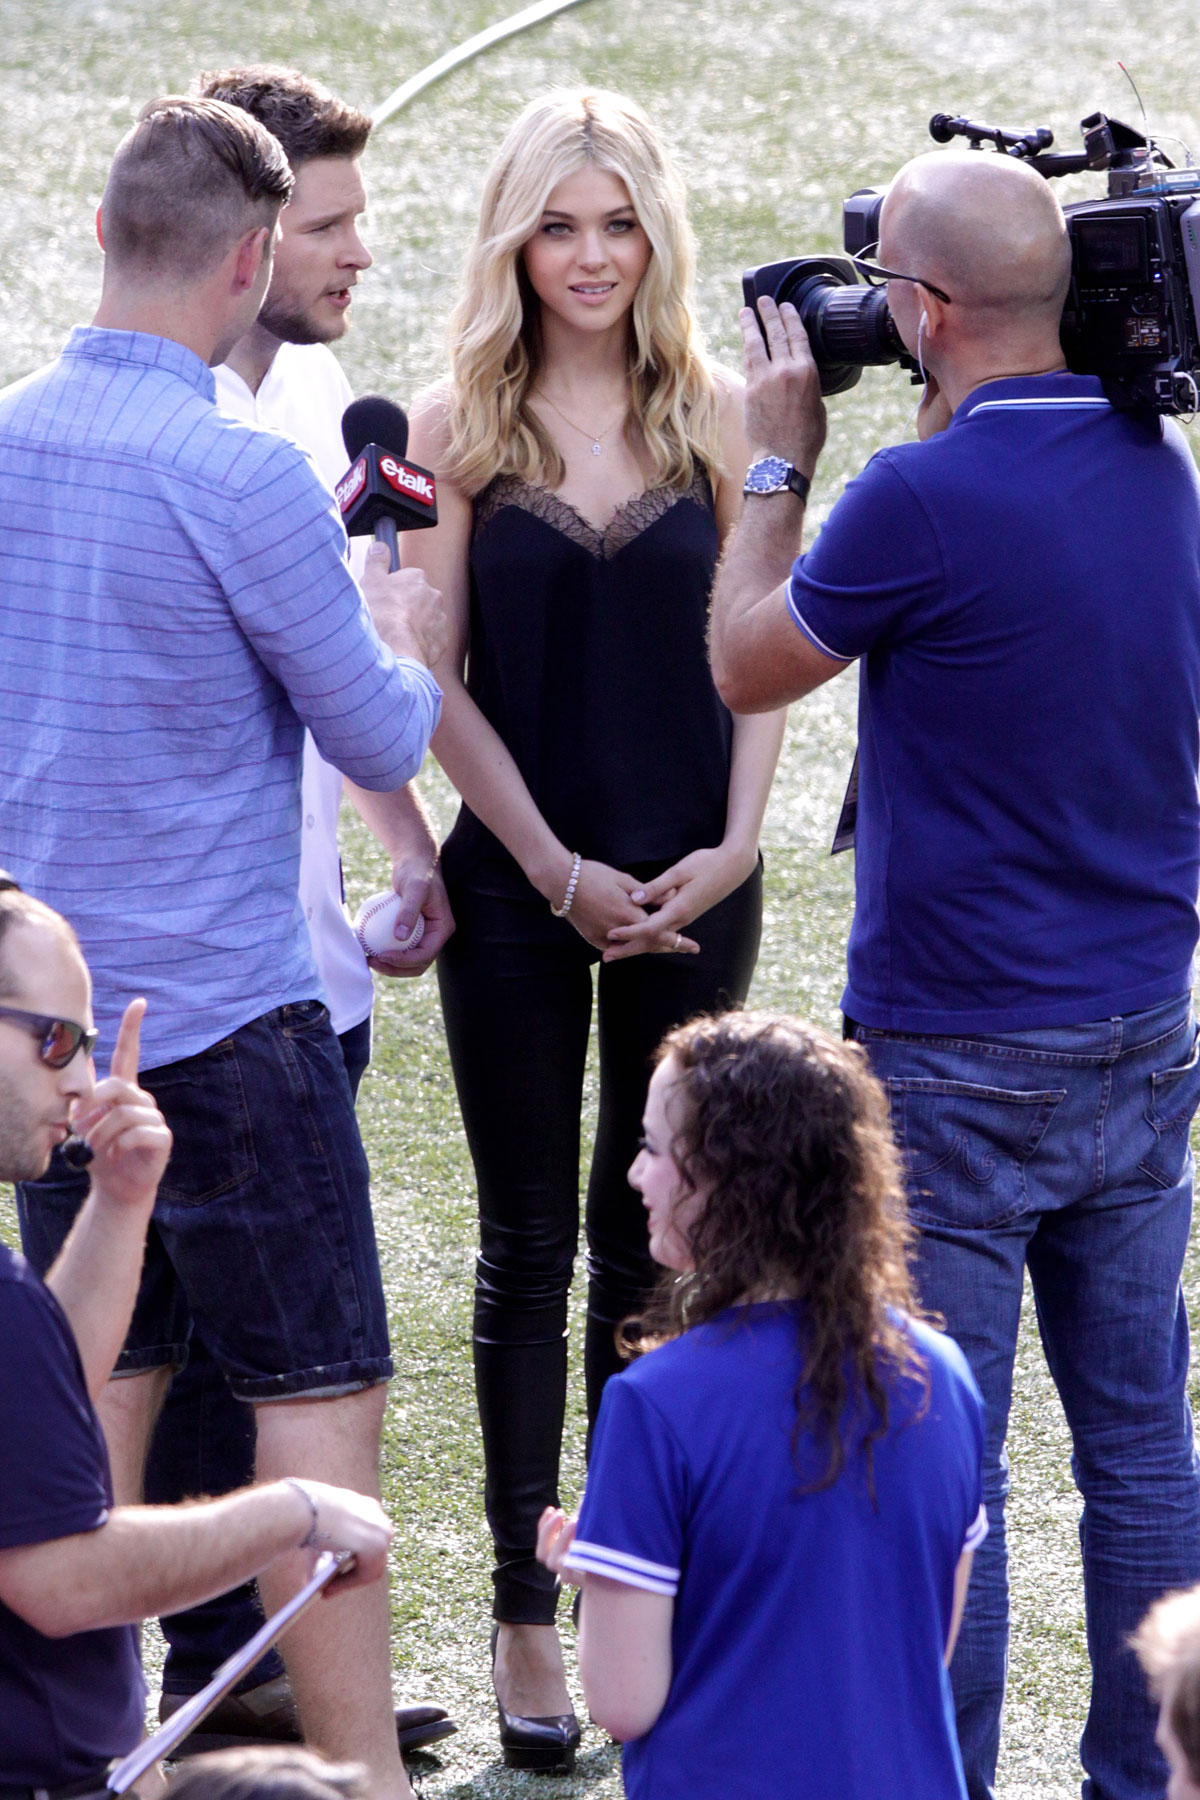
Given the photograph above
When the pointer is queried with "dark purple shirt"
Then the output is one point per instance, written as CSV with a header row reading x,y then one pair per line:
x,y
67,1705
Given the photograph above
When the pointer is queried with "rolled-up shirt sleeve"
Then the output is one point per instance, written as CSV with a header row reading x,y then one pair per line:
x,y
875,570
285,576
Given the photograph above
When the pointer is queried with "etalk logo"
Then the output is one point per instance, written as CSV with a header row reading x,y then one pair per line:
x,y
351,485
406,480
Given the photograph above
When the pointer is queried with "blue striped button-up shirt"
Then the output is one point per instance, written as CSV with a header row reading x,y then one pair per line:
x,y
174,607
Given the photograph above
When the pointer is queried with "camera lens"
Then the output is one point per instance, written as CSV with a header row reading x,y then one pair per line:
x,y
848,325
851,325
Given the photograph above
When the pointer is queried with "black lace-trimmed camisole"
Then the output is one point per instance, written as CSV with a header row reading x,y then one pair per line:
x,y
588,656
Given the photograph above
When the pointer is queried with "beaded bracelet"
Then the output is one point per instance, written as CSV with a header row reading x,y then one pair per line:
x,y
560,912
308,1542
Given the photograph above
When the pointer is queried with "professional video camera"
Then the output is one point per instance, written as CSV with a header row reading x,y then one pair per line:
x,y
1131,312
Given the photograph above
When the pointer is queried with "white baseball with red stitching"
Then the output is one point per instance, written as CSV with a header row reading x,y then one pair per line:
x,y
374,925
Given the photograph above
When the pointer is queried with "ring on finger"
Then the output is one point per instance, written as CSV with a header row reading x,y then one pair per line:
x,y
678,940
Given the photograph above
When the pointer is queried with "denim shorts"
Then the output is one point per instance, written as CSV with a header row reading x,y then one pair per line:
x,y
262,1232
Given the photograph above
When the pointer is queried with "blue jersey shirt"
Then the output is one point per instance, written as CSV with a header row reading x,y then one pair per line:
x,y
175,607
1024,590
67,1705
808,1627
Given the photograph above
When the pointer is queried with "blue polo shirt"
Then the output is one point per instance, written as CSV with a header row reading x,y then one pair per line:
x,y
808,1627
67,1705
1024,591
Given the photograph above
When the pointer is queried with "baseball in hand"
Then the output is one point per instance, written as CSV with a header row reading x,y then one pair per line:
x,y
374,923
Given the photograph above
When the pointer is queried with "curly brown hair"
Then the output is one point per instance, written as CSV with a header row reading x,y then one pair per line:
x,y
785,1131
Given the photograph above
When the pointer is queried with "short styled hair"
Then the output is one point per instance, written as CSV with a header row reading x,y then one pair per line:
x,y
307,119
1168,1645
266,1772
17,908
186,182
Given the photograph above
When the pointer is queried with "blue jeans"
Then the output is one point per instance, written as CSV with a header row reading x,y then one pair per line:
x,y
261,1236
1065,1151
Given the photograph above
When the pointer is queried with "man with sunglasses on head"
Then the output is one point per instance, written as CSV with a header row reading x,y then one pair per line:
x,y
1022,587
77,1572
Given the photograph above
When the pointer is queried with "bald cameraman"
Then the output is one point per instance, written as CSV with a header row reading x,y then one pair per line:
x,y
75,1571
1023,589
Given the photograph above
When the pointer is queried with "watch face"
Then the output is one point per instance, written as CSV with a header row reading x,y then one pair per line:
x,y
767,476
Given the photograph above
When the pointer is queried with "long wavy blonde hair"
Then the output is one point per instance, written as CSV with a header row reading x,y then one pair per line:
x,y
495,335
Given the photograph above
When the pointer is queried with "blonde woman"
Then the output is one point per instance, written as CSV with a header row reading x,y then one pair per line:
x,y
590,463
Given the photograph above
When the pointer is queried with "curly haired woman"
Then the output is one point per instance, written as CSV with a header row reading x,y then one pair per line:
x,y
785,1495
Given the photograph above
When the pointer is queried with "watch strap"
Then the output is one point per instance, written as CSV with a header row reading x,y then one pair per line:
x,y
775,475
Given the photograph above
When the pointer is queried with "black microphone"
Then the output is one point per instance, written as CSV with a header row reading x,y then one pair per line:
x,y
77,1153
380,492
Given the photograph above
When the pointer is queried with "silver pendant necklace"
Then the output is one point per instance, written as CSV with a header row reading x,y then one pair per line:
x,y
596,437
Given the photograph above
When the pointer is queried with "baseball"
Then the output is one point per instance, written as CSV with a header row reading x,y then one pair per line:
x,y
373,926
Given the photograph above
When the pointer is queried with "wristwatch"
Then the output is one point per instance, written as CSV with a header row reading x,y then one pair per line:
x,y
771,475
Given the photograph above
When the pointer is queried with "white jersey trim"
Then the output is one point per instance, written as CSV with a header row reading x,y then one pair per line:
x,y
1077,401
806,628
619,1565
978,1531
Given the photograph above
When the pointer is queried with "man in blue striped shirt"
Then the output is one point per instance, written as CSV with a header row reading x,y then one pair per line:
x,y
175,607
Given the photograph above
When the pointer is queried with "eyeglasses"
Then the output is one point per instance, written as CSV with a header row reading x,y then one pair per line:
x,y
876,275
58,1039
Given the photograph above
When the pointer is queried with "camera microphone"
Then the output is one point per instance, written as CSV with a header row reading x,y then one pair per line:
x,y
381,493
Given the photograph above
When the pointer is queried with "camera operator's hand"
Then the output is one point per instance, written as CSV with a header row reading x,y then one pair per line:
x,y
785,414
934,412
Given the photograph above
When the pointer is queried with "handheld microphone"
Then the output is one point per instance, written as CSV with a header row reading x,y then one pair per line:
x,y
380,492
77,1152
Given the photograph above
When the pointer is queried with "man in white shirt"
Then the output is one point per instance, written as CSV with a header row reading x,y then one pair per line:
x,y
281,376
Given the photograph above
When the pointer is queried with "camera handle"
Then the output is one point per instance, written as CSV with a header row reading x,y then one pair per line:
x,y
1107,143
1013,143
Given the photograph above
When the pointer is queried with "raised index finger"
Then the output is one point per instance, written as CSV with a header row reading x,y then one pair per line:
x,y
127,1047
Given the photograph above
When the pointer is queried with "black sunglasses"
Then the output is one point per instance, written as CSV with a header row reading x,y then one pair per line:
x,y
876,275
58,1039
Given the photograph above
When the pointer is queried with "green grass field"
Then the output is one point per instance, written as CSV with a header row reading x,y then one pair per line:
x,y
779,108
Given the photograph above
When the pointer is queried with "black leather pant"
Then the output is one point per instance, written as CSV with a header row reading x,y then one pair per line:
x,y
516,986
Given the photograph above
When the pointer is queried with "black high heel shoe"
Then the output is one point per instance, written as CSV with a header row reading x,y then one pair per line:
x,y
547,1745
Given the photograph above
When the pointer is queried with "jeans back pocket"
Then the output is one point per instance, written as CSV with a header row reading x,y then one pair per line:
x,y
966,1147
1174,1094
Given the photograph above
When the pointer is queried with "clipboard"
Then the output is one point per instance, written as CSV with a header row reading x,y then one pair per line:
x,y
123,1774
843,836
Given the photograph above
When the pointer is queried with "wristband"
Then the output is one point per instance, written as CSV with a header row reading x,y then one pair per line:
x,y
307,1542
560,912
